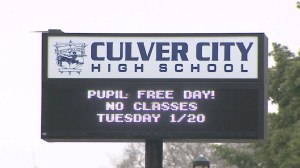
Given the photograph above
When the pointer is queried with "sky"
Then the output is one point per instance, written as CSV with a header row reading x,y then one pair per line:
x,y
20,70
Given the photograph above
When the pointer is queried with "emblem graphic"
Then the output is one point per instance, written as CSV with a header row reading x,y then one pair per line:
x,y
70,56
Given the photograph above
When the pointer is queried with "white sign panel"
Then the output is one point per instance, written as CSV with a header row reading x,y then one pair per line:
x,y
224,57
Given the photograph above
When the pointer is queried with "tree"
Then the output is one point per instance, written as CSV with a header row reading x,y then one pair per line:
x,y
181,155
176,155
134,156
239,155
281,149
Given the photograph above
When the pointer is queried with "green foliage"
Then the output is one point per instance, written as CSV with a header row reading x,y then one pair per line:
x,y
176,155
298,5
181,155
278,75
239,158
282,148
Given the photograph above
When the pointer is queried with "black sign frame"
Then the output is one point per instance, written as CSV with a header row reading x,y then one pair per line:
x,y
60,134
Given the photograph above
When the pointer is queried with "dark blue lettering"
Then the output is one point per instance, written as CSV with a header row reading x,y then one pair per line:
x,y
141,67
122,67
110,53
195,67
227,46
215,51
242,68
182,53
109,68
144,55
94,54
160,51
226,69
163,68
244,51
177,69
128,53
96,67
211,68
199,51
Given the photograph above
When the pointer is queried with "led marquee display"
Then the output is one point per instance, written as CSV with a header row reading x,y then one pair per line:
x,y
130,87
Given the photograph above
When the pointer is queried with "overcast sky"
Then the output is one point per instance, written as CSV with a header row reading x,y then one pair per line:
x,y
20,86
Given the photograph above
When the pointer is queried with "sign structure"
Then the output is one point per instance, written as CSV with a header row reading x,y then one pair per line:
x,y
130,87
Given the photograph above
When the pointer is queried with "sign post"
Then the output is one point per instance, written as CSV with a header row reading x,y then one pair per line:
x,y
154,87
154,153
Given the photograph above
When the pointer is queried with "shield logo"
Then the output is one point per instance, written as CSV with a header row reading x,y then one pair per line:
x,y
70,56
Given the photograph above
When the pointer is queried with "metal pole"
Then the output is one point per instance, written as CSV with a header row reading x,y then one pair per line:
x,y
154,153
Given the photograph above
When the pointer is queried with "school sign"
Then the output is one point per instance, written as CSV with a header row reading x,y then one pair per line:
x,y
103,87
